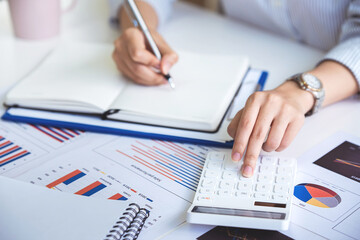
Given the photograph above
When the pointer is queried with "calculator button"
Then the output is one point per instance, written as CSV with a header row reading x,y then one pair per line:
x,y
267,169
242,194
216,156
281,188
265,178
230,175
224,193
284,170
286,161
261,196
231,165
282,179
244,186
261,187
226,184
267,160
211,173
214,165
206,191
245,179
279,198
204,198
208,183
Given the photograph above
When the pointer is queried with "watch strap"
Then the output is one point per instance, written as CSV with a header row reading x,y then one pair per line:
x,y
318,95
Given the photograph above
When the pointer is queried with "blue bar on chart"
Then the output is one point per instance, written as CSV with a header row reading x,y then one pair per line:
x,y
91,189
118,196
57,134
170,160
10,152
67,179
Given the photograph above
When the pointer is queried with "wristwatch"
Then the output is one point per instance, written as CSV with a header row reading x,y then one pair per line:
x,y
312,84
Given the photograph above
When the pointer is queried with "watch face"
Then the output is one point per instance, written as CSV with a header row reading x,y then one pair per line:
x,y
312,81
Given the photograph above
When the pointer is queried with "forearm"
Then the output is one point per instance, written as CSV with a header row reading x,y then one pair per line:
x,y
338,83
147,11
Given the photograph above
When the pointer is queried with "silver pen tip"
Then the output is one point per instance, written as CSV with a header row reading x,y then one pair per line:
x,y
171,82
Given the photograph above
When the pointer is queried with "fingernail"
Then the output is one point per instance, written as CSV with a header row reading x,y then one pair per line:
x,y
247,171
166,67
157,66
236,157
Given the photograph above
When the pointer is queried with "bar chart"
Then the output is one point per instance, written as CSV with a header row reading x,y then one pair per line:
x,y
10,152
87,181
84,172
174,166
15,151
91,189
118,196
54,137
67,179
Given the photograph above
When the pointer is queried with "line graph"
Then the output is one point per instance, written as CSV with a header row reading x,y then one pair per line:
x,y
349,163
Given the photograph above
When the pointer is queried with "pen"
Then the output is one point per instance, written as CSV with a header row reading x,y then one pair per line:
x,y
138,21
261,83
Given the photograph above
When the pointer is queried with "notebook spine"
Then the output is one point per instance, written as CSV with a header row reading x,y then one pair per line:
x,y
109,112
129,225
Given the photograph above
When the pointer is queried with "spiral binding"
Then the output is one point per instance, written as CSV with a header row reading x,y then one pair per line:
x,y
129,225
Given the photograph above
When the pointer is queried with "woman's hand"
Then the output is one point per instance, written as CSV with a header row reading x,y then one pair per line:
x,y
270,121
134,59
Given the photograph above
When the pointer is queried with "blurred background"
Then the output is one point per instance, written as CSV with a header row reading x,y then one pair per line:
x,y
88,21
209,4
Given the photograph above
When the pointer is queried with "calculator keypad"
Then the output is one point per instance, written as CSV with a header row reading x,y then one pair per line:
x,y
222,178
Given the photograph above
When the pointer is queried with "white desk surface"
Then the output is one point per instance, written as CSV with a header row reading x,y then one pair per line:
x,y
196,30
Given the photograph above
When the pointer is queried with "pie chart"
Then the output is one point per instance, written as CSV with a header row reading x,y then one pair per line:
x,y
317,195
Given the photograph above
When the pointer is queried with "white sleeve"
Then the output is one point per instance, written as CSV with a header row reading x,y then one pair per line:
x,y
163,9
347,52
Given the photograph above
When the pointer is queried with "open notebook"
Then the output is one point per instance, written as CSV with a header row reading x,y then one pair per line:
x,y
36,213
82,78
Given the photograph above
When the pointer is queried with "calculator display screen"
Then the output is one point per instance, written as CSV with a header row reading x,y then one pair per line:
x,y
238,212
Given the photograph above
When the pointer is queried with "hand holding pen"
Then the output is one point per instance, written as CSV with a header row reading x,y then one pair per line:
x,y
133,54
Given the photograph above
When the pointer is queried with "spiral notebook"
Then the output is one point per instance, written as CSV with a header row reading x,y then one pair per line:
x,y
129,224
36,213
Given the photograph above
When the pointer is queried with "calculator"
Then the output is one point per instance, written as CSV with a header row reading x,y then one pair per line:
x,y
224,197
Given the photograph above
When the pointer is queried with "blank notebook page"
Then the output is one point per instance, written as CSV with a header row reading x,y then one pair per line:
x,y
205,86
73,75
